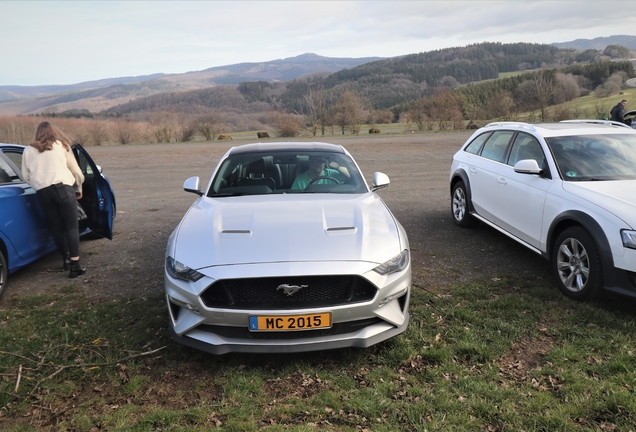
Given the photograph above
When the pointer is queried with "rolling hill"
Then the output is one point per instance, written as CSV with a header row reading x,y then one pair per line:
x,y
96,96
282,84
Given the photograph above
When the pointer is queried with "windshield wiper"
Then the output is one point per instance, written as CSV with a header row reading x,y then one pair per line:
x,y
227,194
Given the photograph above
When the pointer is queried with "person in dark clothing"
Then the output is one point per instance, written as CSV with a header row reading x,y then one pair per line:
x,y
49,166
618,112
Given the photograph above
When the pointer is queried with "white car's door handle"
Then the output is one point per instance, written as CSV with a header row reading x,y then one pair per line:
x,y
502,181
473,170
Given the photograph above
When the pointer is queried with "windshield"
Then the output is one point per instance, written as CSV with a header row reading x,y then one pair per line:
x,y
595,157
287,172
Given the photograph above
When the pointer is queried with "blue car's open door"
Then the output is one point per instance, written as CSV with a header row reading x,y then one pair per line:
x,y
98,200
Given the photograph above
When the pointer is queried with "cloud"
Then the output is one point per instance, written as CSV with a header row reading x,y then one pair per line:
x,y
63,42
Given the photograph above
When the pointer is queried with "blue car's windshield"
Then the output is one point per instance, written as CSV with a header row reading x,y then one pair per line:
x,y
286,172
595,157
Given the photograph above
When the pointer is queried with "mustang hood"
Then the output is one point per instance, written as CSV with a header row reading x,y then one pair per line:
x,y
287,227
617,197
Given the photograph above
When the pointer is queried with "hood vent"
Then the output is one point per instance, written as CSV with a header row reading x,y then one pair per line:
x,y
235,234
341,231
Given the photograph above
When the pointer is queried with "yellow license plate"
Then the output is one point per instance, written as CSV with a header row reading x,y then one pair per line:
x,y
290,322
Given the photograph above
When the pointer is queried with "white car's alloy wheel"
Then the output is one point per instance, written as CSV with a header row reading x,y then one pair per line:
x,y
574,265
459,206
577,264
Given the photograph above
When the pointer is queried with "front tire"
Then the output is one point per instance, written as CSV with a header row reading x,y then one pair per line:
x,y
460,206
4,273
576,263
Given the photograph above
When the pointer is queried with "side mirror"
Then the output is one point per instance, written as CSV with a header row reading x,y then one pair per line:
x,y
192,185
380,180
527,166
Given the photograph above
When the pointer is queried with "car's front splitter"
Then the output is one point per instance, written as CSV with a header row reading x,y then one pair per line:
x,y
363,338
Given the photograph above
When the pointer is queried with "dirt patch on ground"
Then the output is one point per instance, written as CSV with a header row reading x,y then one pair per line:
x,y
148,183
524,356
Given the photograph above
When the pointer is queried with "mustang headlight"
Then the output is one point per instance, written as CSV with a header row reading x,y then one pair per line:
x,y
629,238
181,271
395,264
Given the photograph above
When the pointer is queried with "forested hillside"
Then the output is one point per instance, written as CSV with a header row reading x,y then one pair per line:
x,y
391,82
437,90
383,84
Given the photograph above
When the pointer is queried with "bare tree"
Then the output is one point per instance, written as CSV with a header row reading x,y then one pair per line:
x,y
418,113
316,105
382,116
501,107
163,125
286,125
18,130
567,88
444,108
127,131
208,125
186,129
611,85
98,132
349,112
536,93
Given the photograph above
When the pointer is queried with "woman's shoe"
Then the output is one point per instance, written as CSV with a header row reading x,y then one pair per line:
x,y
66,265
76,269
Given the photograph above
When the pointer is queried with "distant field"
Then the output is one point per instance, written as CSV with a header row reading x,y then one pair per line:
x,y
589,104
385,129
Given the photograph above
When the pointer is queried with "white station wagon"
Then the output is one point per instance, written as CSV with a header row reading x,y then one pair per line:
x,y
565,190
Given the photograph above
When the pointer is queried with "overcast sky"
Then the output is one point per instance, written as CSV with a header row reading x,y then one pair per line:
x,y
67,42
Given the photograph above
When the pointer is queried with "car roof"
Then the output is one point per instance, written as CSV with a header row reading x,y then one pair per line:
x,y
286,146
572,127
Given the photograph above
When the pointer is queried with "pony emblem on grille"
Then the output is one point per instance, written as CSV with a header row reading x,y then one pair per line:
x,y
290,289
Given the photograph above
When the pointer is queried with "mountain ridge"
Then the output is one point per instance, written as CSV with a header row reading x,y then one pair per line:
x,y
599,43
105,94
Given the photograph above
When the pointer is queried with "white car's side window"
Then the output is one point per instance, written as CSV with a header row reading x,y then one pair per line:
x,y
476,144
526,146
495,147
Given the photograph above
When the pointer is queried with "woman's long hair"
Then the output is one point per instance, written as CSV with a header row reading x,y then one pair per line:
x,y
46,135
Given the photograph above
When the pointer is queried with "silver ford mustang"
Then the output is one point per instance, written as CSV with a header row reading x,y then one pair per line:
x,y
287,250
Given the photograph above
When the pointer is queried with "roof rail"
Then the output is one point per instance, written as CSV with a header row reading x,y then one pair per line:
x,y
519,125
599,122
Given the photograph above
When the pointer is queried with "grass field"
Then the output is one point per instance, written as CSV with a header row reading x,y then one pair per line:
x,y
506,354
590,104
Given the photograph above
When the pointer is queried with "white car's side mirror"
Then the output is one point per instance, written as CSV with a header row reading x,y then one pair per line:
x,y
192,185
527,166
380,180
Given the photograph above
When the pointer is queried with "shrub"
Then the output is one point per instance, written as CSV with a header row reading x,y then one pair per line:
x,y
287,125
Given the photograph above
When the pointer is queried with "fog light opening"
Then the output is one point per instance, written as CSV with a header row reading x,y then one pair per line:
x,y
390,298
184,305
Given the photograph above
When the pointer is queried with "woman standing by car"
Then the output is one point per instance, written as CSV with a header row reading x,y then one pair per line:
x,y
49,166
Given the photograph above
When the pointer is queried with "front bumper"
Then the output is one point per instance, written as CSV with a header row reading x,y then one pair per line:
x,y
215,344
219,330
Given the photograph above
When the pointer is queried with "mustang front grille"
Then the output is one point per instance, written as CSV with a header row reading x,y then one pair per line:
x,y
300,292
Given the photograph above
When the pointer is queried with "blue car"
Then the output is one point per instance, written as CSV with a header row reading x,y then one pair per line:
x,y
24,236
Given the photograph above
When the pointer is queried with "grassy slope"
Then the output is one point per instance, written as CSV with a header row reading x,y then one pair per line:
x,y
505,354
